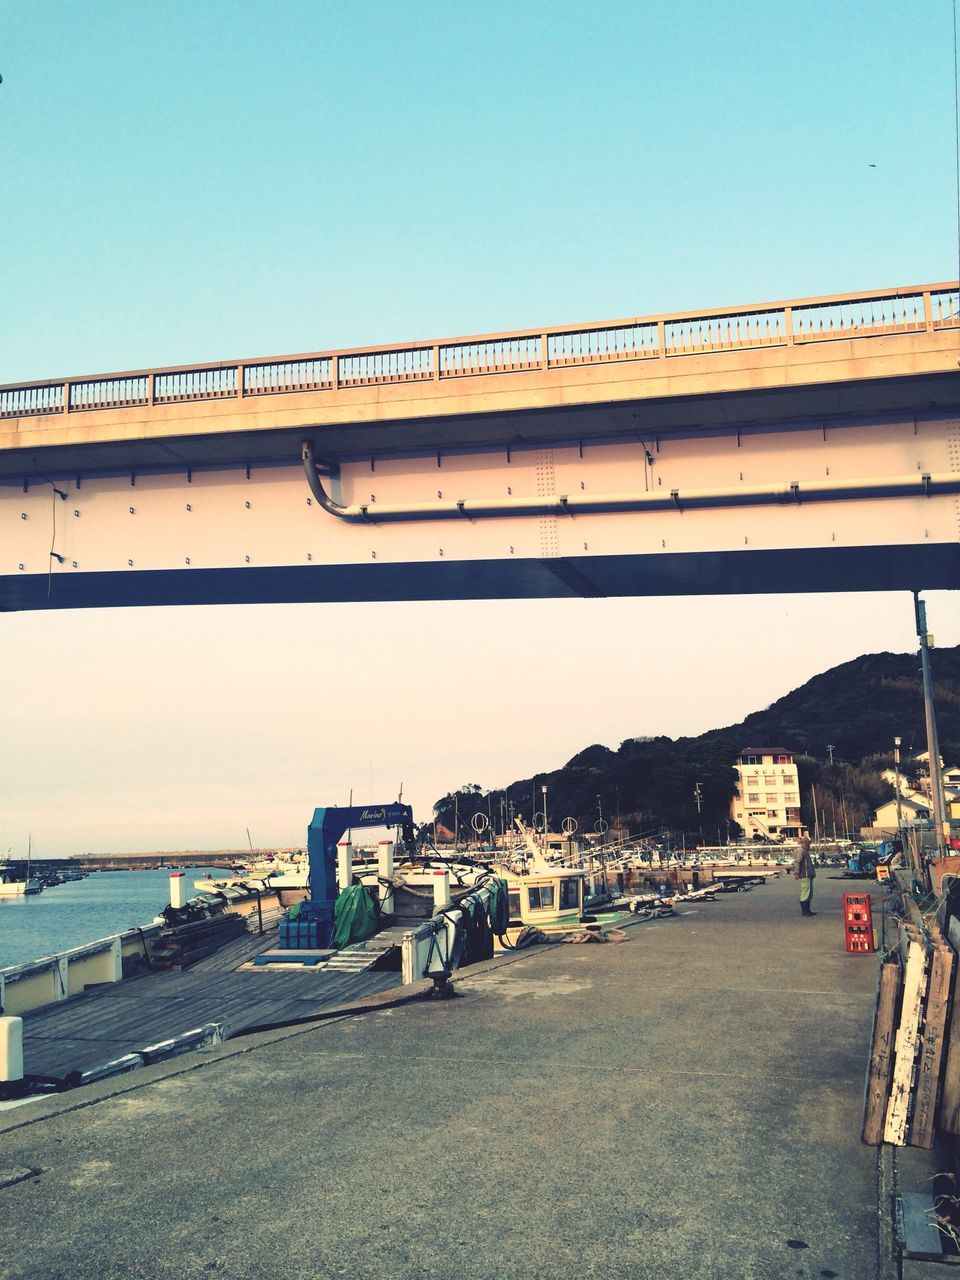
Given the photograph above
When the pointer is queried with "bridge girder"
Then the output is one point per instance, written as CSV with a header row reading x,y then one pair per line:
x,y
826,505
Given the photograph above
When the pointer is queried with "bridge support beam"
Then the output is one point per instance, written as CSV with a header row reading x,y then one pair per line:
x,y
835,505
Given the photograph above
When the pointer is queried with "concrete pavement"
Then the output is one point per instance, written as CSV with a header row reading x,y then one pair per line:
x,y
683,1104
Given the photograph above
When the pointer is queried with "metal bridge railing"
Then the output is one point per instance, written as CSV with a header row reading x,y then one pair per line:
x,y
854,317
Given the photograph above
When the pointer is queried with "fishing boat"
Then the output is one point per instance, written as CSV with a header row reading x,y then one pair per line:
x,y
545,895
11,887
276,871
538,892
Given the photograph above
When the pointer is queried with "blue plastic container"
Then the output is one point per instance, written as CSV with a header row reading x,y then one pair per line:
x,y
299,935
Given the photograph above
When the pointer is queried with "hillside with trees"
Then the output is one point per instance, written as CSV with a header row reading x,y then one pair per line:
x,y
647,785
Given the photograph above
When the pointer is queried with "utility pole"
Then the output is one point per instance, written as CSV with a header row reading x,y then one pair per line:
x,y
933,742
907,852
816,815
830,753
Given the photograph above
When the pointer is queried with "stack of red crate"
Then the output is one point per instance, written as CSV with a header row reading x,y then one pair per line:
x,y
858,922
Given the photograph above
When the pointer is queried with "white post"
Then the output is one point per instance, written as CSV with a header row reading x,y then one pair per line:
x,y
178,889
344,865
116,960
11,1049
441,890
408,958
385,872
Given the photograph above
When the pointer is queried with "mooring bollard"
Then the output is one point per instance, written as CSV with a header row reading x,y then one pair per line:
x,y
178,889
385,873
441,890
344,865
11,1050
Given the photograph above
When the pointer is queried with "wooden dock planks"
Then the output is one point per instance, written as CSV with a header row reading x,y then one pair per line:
x,y
90,1029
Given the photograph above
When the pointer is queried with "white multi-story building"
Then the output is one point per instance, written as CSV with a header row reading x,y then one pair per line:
x,y
767,799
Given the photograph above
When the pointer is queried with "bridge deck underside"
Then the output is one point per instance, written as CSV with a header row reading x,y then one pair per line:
x,y
822,506
816,569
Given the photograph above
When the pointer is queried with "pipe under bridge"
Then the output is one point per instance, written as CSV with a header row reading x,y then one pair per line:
x,y
810,445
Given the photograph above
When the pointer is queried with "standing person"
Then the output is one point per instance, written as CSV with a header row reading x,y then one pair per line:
x,y
803,870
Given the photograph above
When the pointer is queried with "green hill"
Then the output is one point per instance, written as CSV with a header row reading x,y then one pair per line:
x,y
647,784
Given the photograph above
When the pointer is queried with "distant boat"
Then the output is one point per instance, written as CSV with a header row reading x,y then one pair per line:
x,y
11,888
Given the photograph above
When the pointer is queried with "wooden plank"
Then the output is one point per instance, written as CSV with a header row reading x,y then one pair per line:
x,y
931,1048
949,1115
97,1027
881,1054
906,1045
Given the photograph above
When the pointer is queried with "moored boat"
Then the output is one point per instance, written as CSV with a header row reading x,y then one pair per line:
x,y
14,888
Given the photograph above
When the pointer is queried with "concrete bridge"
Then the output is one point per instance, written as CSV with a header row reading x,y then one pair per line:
x,y
808,445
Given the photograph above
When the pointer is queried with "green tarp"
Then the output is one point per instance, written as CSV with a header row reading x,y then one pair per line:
x,y
354,916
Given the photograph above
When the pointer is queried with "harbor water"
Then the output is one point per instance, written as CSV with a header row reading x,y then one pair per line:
x,y
69,915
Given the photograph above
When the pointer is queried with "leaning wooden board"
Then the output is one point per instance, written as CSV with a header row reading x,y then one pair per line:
x,y
906,1045
931,1048
950,1098
881,1053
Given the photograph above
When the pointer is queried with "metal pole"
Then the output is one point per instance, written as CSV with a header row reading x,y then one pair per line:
x,y
816,816
906,850
933,742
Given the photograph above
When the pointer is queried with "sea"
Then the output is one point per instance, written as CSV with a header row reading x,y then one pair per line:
x,y
69,915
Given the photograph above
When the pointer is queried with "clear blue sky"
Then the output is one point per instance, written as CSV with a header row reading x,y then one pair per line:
x,y
184,181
